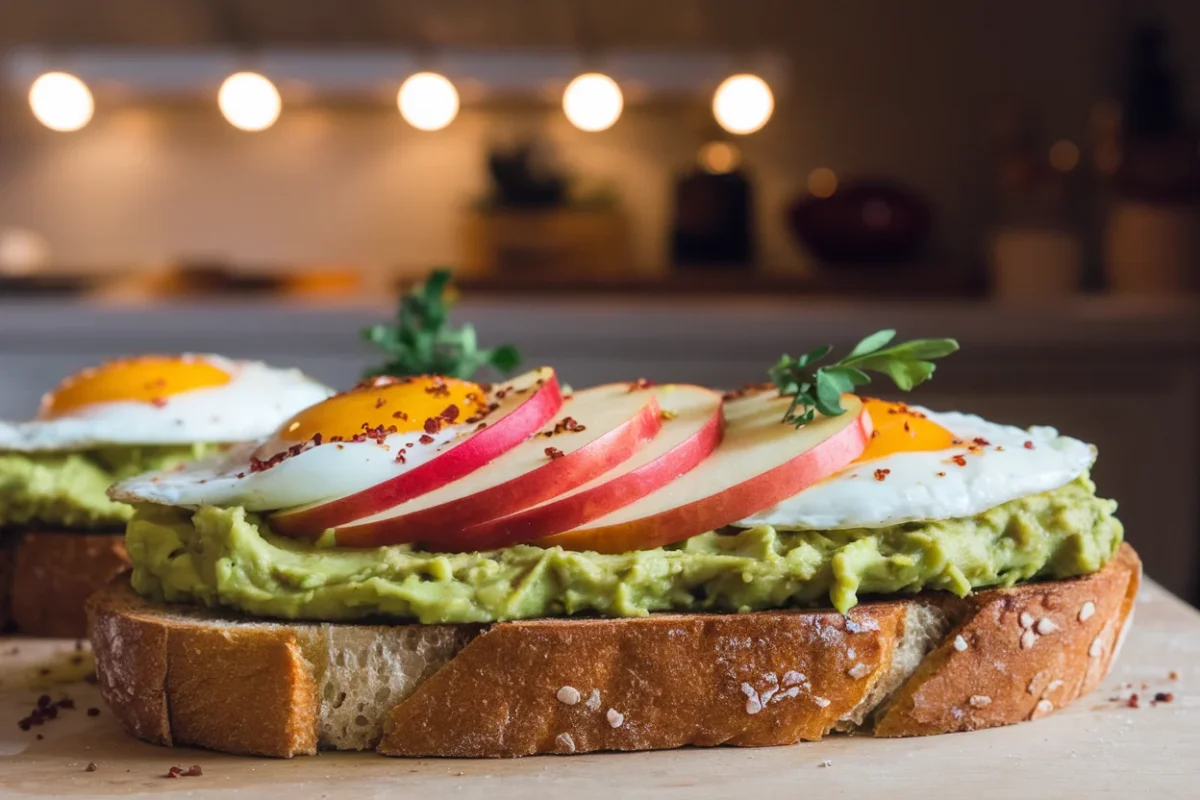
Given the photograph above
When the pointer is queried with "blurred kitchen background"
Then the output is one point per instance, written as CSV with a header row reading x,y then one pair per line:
x,y
675,189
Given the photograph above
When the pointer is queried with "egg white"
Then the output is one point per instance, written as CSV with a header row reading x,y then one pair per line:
x,y
256,399
329,470
912,489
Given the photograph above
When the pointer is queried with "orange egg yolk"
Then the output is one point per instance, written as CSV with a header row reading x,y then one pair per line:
x,y
387,405
149,379
899,429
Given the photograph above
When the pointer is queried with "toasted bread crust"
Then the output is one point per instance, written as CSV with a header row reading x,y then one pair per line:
x,y
765,678
54,573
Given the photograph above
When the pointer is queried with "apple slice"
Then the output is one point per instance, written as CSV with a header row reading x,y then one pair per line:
x,y
761,461
691,430
595,431
521,406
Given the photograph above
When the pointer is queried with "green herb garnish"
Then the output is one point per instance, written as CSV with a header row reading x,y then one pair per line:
x,y
422,342
820,388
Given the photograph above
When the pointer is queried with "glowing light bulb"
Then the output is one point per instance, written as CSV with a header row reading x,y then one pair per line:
x,y
743,103
249,101
428,101
61,101
593,102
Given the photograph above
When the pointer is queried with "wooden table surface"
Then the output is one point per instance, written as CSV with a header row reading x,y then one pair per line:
x,y
1100,747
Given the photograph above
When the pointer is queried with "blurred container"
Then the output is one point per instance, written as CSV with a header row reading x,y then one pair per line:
x,y
1034,265
1152,248
559,242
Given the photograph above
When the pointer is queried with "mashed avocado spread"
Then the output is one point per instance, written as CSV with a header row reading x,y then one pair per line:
x,y
68,489
228,558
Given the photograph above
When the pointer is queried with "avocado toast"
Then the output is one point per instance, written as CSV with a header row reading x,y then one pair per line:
x,y
61,536
429,566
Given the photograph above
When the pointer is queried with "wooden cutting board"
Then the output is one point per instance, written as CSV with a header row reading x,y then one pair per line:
x,y
1100,747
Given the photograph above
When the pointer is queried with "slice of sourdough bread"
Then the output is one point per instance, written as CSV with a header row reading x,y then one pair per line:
x,y
51,574
931,663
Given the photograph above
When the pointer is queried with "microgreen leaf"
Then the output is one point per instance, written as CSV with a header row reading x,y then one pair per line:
x,y
422,342
820,388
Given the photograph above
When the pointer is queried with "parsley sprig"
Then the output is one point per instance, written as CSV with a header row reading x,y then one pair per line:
x,y
422,342
819,388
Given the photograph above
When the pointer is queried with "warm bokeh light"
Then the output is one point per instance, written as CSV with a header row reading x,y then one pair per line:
x,y
249,101
593,102
61,101
822,182
1064,155
743,103
428,101
719,158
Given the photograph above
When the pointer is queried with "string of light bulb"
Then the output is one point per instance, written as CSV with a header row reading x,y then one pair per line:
x,y
428,101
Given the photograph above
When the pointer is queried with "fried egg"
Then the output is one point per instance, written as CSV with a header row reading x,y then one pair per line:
x,y
164,400
350,442
925,465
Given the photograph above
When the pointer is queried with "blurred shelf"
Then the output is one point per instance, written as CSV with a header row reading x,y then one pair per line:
x,y
898,281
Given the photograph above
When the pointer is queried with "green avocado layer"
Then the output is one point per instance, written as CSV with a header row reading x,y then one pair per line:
x,y
228,558
68,489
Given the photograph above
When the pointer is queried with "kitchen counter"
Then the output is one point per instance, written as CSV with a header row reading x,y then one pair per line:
x,y
1098,747
1123,374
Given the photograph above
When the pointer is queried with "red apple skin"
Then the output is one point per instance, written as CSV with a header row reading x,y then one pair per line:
x,y
498,438
570,512
736,502
552,478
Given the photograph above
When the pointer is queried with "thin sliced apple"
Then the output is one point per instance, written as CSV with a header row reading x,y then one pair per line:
x,y
522,406
595,431
761,461
691,430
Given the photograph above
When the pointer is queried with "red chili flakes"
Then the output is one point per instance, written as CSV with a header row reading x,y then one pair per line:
x,y
554,453
433,425
93,712
1164,697
44,710
438,389
400,415
261,465
881,474
956,442
999,448
400,459
565,424
1173,675
982,442
173,772
158,402
941,474
960,460
640,383
91,767
242,474
502,392
874,434
1029,445
380,402
908,428
425,439
480,426
1133,701
450,413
